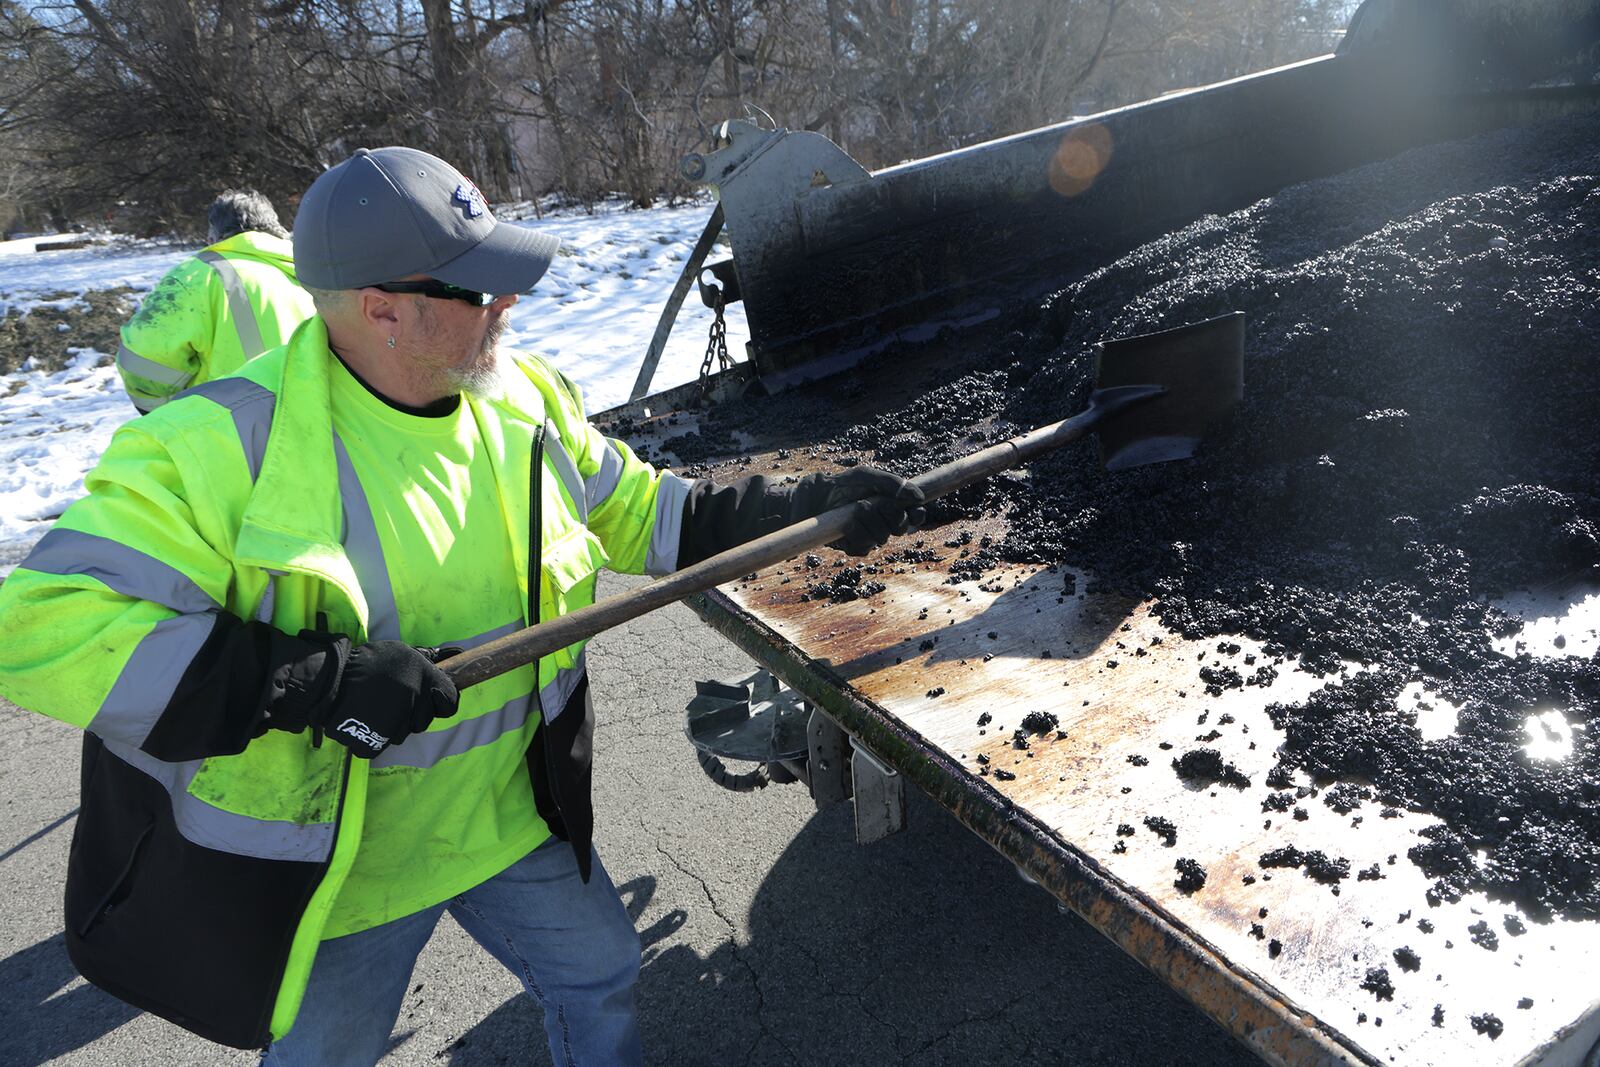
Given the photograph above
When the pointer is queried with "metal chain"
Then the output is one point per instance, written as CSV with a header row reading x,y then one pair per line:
x,y
716,347
748,782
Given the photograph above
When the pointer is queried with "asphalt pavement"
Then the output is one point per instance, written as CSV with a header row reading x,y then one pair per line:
x,y
770,936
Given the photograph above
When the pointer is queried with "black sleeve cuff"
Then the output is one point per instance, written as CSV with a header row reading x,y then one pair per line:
x,y
719,517
247,677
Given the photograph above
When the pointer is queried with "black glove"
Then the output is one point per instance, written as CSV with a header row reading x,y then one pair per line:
x,y
366,698
719,517
889,505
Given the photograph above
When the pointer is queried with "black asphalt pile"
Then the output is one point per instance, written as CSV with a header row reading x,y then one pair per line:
x,y
1205,766
1378,984
1422,388
1418,436
1191,876
844,585
1163,828
1316,864
1534,818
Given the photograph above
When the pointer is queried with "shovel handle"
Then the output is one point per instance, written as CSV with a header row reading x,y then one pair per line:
x,y
526,646
1015,451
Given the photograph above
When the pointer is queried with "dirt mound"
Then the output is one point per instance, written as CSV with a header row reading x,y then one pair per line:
x,y
91,321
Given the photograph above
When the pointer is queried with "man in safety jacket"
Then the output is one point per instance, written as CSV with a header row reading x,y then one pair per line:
x,y
281,791
222,306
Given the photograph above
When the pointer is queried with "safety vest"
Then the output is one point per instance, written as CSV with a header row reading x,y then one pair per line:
x,y
198,890
208,315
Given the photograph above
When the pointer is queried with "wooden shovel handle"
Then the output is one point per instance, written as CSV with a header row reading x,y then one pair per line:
x,y
525,646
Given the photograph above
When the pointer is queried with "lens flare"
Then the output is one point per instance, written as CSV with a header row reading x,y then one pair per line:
x,y
1082,154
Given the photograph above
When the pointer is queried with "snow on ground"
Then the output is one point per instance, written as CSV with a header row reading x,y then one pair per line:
x,y
26,274
593,314
52,430
595,310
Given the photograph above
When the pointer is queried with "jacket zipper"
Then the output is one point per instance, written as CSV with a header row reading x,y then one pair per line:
x,y
105,907
535,552
535,545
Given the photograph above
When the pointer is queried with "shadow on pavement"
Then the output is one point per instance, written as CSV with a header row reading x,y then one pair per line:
x,y
925,948
39,1022
36,835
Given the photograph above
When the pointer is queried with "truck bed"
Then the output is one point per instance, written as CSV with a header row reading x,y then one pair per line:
x,y
1391,320
936,679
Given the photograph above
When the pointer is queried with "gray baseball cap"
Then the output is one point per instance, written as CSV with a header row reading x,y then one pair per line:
x,y
385,213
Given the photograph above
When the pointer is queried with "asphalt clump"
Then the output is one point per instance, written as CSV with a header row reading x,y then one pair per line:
x,y
1191,876
1205,766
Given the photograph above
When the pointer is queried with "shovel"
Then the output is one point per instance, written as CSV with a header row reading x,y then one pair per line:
x,y
1155,396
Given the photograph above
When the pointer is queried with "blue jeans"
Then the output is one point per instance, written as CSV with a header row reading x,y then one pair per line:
x,y
572,945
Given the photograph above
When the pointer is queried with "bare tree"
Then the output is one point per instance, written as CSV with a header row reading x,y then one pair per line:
x,y
160,102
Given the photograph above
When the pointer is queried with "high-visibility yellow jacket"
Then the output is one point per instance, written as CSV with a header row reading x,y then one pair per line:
x,y
208,315
198,888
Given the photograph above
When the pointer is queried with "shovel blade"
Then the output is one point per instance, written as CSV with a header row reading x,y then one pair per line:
x,y
1201,367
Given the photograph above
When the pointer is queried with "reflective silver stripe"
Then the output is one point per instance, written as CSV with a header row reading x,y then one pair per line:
x,y
268,599
119,568
361,544
599,487
427,749
252,407
671,494
146,405
566,470
469,643
558,694
211,827
145,687
150,370
240,309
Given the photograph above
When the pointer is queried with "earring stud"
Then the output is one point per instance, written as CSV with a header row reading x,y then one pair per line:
x,y
391,342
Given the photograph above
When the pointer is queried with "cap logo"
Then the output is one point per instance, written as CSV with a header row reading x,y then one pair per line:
x,y
470,199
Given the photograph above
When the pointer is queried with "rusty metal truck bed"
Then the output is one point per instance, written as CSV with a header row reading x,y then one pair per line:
x,y
935,679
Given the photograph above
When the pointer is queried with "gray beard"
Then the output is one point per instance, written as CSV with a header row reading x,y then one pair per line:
x,y
481,378
478,381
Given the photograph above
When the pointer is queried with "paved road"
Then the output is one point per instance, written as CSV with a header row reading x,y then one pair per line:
x,y
770,937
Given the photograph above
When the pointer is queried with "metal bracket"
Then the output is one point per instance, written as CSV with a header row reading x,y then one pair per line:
x,y
839,768
726,277
828,760
880,796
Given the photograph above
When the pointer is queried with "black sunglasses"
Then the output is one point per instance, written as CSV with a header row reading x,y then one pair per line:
x,y
439,290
